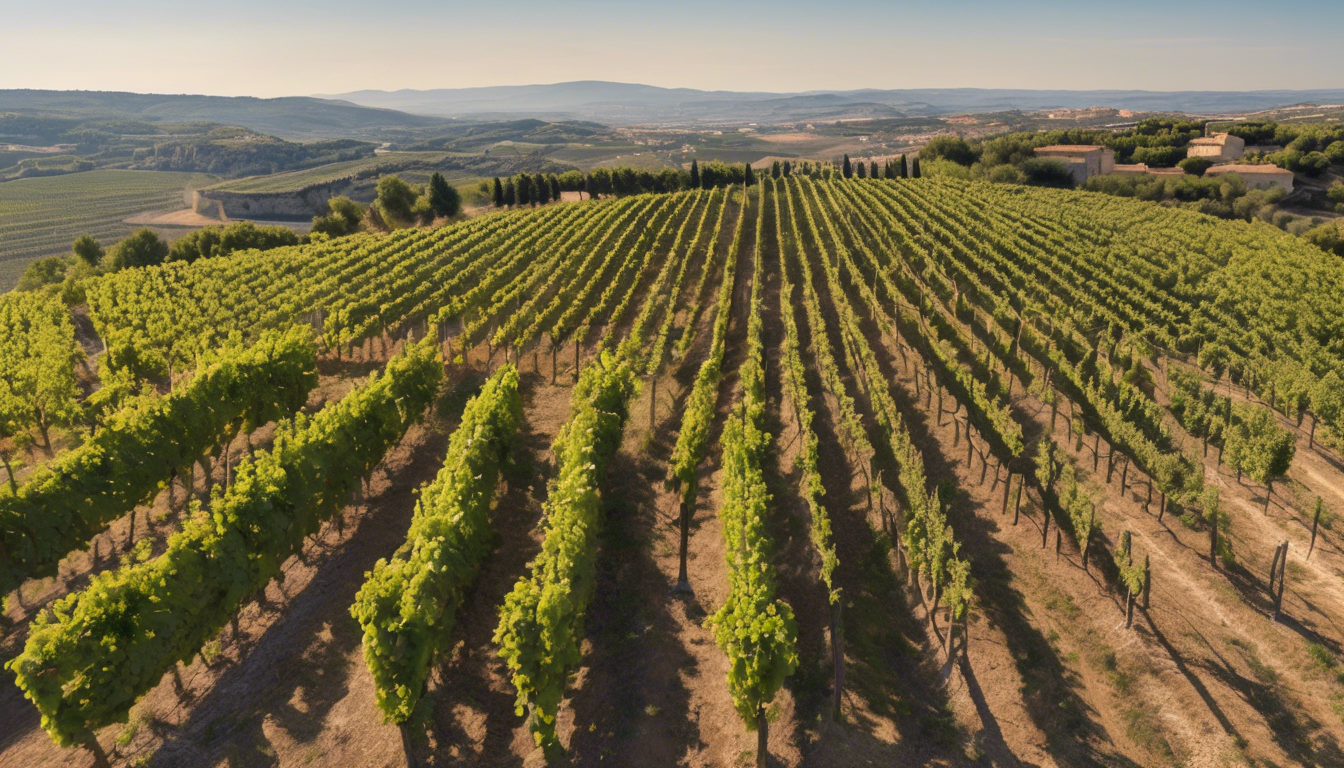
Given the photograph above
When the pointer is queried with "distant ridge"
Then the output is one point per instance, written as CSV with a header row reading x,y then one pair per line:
x,y
633,103
289,117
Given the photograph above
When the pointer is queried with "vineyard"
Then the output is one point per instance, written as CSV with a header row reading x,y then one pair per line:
x,y
42,216
810,471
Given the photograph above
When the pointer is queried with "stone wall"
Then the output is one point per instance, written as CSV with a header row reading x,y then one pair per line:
x,y
302,204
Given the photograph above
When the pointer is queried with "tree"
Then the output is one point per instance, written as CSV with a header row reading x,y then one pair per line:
x,y
747,176
43,272
523,189
342,217
555,186
788,169
510,193
848,170
141,249
914,169
695,174
872,170
541,190
212,242
88,250
443,197
775,170
499,194
861,169
396,201
905,171
1195,166
947,147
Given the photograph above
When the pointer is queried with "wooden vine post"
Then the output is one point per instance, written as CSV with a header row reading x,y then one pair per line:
x,y
1315,524
683,582
838,655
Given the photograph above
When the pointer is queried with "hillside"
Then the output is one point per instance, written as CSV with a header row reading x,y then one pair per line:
x,y
965,474
625,103
294,117
42,216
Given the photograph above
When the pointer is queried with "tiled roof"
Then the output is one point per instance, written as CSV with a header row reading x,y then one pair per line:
x,y
1072,149
1245,168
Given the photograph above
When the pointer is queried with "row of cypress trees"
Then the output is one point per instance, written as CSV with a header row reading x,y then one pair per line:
x,y
889,170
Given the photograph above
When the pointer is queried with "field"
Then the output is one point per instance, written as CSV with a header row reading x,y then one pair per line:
x,y
910,472
294,181
42,216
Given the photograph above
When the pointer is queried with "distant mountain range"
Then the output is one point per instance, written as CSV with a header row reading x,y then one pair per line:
x,y
625,103
288,117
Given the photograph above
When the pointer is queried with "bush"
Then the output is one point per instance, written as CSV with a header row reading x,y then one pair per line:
x,y
211,242
1047,172
141,249
396,201
1007,174
342,218
43,272
1195,166
1328,237
952,148
1158,157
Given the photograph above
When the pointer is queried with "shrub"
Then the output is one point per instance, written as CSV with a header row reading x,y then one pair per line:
x,y
1047,172
1195,166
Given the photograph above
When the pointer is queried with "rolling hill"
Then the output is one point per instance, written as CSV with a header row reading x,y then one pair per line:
x,y
633,103
287,117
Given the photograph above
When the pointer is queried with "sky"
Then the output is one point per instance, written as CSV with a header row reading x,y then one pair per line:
x,y
300,47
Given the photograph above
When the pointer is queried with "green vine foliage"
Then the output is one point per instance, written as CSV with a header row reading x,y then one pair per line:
x,y
96,652
64,504
541,623
753,627
408,603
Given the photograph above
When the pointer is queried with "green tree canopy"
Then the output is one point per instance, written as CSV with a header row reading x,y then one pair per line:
x,y
141,249
443,197
396,201
88,250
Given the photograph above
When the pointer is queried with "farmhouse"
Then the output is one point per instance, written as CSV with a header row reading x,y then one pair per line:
x,y
1083,160
1220,147
1256,176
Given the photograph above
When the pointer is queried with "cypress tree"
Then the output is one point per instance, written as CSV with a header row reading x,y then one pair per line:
x,y
695,175
872,169
861,170
775,170
541,190
443,197
748,176
848,170
914,169
905,171
555,187
510,192
524,187
787,169
499,193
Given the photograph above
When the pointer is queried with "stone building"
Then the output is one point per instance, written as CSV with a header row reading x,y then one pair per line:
x,y
1220,147
1083,160
1256,176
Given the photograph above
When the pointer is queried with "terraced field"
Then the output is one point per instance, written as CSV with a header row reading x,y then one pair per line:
x,y
42,216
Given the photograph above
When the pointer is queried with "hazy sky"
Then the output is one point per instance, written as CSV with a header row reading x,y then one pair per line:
x,y
295,47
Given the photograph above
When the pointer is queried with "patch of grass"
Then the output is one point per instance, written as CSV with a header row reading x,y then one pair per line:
x,y
1142,728
127,734
1262,673
1121,679
1063,604
210,652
